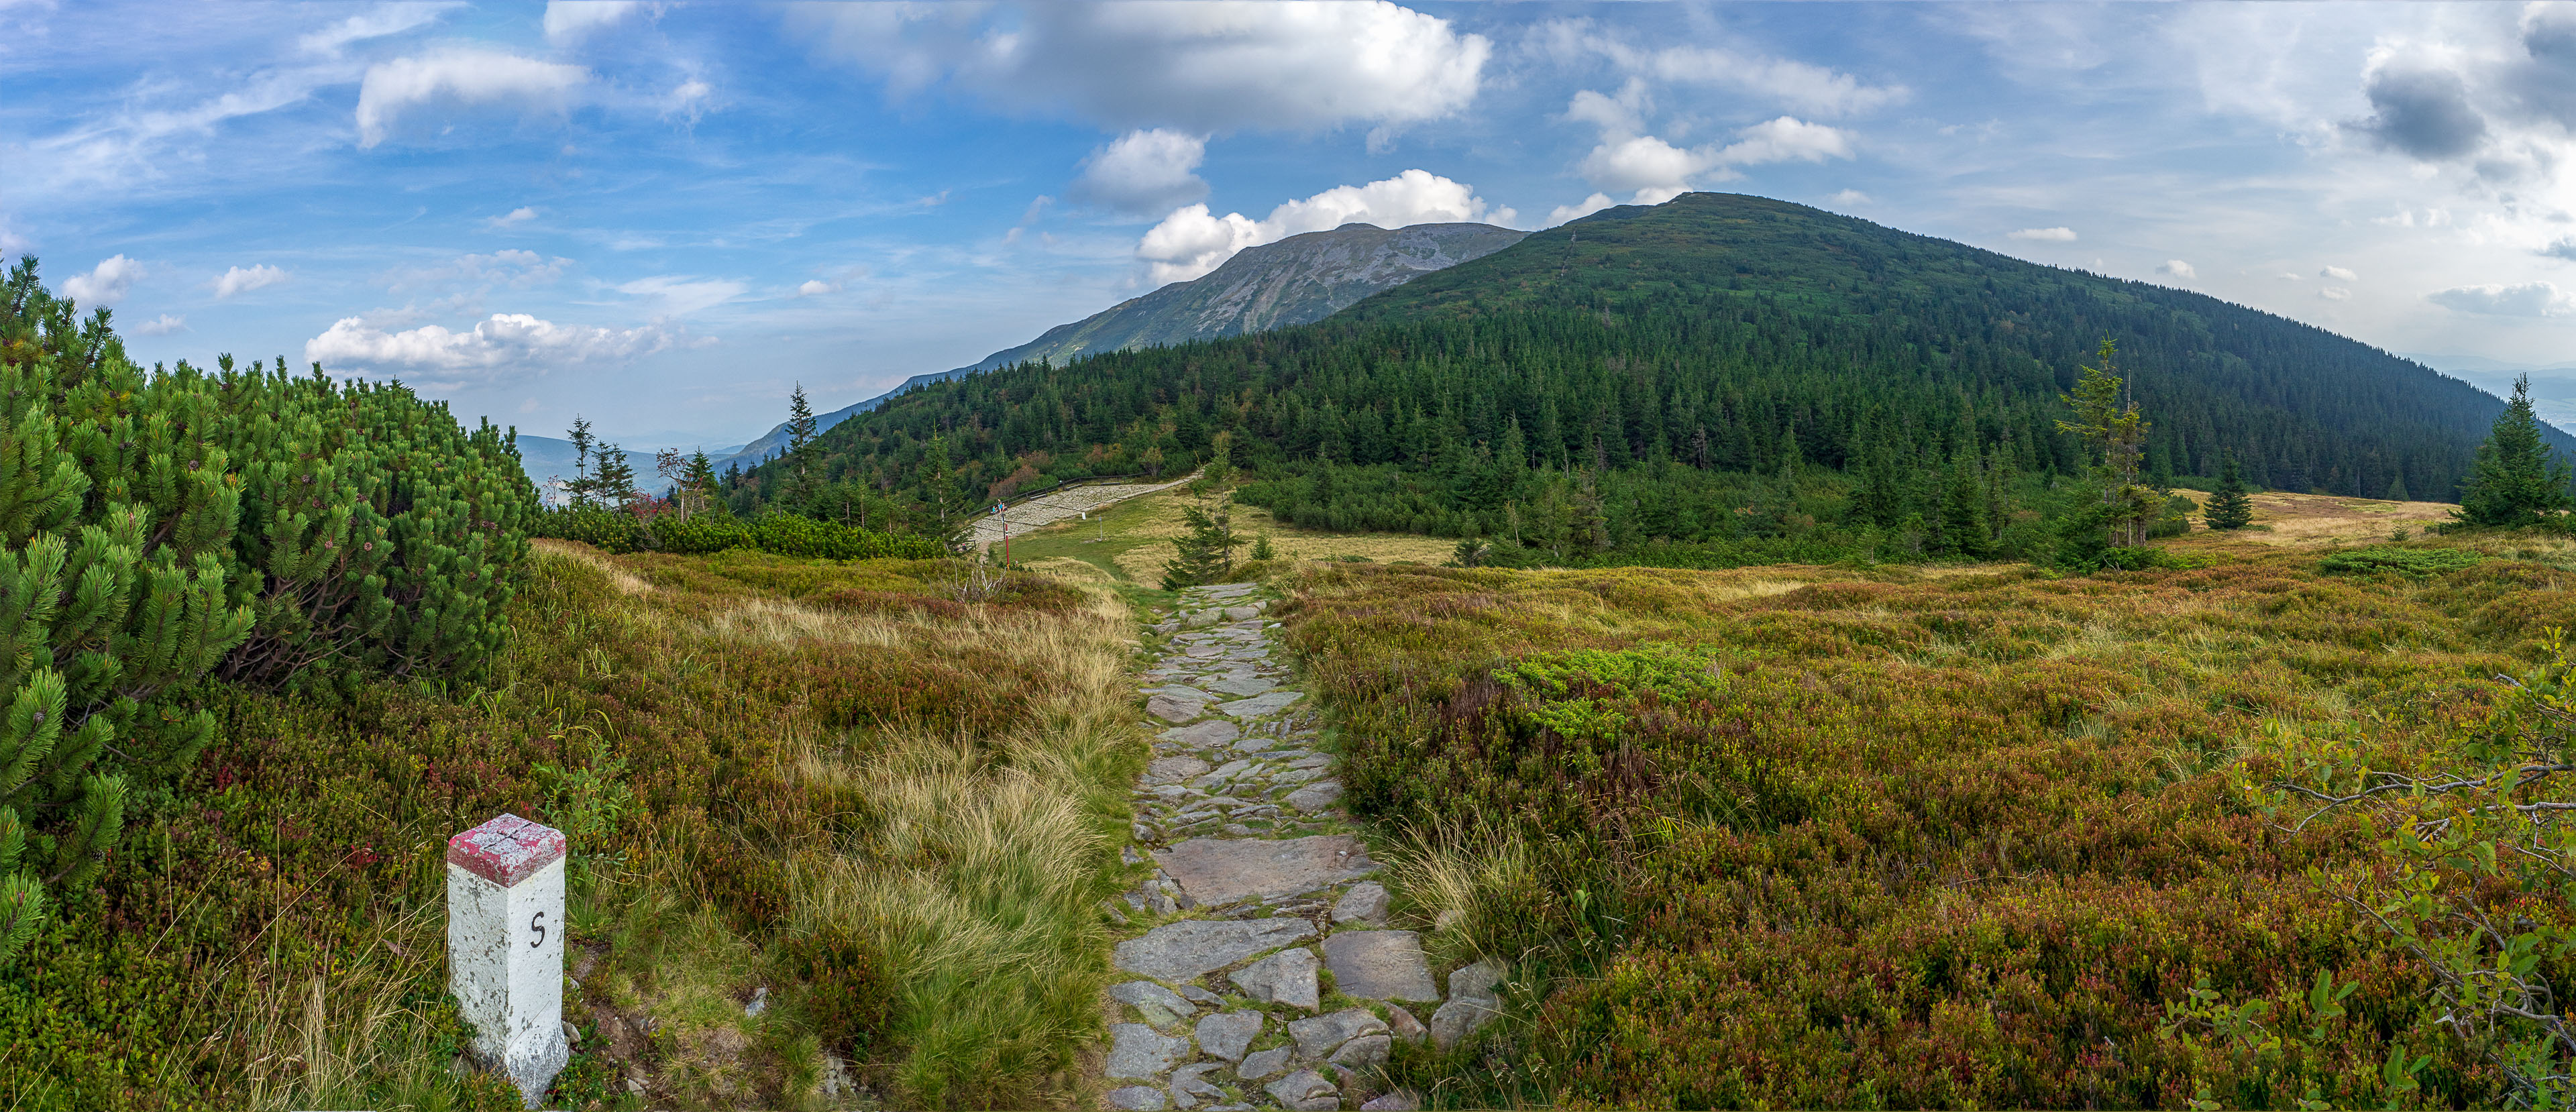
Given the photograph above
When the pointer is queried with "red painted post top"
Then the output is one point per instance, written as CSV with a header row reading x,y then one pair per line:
x,y
506,850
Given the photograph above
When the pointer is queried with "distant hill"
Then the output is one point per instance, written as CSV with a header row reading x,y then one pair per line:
x,y
2553,387
1298,280
1698,360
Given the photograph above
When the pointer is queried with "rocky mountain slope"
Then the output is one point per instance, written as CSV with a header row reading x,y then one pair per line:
x,y
1298,280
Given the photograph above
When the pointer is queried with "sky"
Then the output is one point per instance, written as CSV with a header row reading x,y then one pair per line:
x,y
664,217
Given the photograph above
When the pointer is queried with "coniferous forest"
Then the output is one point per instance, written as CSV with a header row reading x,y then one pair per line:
x,y
1715,380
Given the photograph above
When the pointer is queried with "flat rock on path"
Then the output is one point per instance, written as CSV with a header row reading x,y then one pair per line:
x,y
1259,705
1180,951
1218,871
1203,734
1380,965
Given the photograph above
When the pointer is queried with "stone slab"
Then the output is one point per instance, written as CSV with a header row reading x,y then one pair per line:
x,y
1218,871
1286,977
1265,1063
1139,1053
1315,796
1180,951
1173,770
1259,705
1228,1034
1242,685
1380,965
1320,1035
1202,734
1170,709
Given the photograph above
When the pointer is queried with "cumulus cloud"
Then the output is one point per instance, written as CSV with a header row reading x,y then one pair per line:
x,y
2420,108
2176,268
461,77
105,284
1851,197
2529,299
505,343
2338,274
240,281
814,287
1144,171
1797,86
1580,209
2564,248
516,216
570,21
2045,235
162,325
2335,293
1192,241
374,23
1653,170
1204,68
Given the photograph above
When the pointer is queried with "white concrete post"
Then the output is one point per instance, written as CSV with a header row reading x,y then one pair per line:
x,y
505,947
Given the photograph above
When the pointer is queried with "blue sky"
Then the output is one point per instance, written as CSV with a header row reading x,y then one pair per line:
x,y
663,215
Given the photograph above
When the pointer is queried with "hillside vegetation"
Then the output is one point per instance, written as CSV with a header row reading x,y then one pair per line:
x,y
1809,837
1746,378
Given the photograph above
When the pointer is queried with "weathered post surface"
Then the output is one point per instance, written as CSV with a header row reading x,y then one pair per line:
x,y
505,947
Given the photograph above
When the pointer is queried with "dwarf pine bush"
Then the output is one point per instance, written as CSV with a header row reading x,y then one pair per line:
x,y
160,529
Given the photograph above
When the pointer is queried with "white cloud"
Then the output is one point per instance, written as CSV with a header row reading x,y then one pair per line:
x,y
240,281
1851,197
1654,171
1202,67
2045,235
1192,241
1144,172
520,215
162,325
570,21
503,343
2176,268
2338,274
375,23
675,296
465,77
2529,299
2294,277
1580,209
815,287
105,284
1797,86
2335,293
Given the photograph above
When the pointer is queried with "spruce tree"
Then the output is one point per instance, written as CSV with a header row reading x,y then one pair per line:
x,y
614,487
697,487
581,491
1203,555
2111,426
2514,482
2229,507
801,451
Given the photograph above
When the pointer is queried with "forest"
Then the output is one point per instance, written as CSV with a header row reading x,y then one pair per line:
x,y
1691,382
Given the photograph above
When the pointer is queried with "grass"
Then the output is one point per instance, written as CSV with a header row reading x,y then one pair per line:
x,y
1131,541
1829,837
877,789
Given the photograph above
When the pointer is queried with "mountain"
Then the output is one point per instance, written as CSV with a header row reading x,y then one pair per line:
x,y
1298,280
1715,368
2553,387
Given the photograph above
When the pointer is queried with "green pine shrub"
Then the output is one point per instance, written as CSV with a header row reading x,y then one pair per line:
x,y
776,533
158,529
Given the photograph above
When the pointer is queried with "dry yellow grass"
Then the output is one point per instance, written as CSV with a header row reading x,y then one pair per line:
x,y
2317,520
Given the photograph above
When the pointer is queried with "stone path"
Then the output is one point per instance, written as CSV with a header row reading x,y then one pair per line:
x,y
1047,509
1258,892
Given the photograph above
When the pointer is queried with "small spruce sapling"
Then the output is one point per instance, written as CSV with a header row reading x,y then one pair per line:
x,y
2229,507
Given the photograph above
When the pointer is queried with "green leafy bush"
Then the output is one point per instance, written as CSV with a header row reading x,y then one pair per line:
x,y
2413,563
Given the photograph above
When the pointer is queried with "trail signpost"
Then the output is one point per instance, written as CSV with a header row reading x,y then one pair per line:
x,y
505,947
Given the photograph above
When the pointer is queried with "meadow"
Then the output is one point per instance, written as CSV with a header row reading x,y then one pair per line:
x,y
884,791
1969,836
